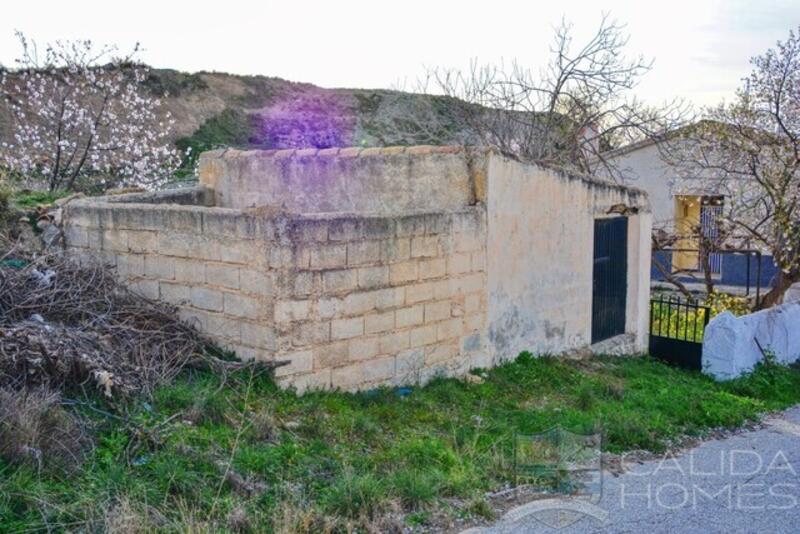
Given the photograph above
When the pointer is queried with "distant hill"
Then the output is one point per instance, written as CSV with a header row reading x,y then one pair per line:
x,y
217,109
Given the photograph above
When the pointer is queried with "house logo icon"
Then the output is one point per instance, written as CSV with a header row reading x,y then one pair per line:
x,y
565,470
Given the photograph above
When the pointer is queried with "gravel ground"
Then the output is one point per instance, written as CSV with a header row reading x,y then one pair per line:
x,y
748,482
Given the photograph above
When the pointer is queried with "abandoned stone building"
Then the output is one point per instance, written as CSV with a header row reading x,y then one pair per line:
x,y
364,267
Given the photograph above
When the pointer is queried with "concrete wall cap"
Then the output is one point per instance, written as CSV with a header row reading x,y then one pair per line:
x,y
417,150
639,195
341,151
336,216
99,203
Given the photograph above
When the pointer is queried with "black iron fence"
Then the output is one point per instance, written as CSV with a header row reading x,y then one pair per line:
x,y
676,331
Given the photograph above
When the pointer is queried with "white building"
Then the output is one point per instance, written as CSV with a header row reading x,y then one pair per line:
x,y
642,165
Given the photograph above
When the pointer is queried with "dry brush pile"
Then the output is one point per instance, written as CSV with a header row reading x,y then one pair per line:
x,y
67,325
70,329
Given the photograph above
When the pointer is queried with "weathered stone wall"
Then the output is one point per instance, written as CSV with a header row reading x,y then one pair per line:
x,y
363,301
375,266
210,262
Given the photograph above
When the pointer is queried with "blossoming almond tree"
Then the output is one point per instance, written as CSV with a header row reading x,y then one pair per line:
x,y
82,119
749,151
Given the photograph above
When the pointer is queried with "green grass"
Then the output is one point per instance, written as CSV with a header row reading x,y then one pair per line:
x,y
31,199
337,461
230,127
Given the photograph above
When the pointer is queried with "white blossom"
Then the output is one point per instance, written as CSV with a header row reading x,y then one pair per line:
x,y
82,117
749,151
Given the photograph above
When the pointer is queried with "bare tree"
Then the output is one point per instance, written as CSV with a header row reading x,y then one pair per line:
x,y
749,151
568,114
81,120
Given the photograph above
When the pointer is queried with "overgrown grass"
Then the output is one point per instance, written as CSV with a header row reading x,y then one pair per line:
x,y
228,128
31,199
335,461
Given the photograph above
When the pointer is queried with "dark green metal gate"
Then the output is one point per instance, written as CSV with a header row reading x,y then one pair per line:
x,y
610,277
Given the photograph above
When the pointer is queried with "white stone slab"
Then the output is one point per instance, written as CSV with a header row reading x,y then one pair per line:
x,y
732,346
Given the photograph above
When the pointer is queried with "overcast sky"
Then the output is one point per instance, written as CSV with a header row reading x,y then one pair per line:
x,y
701,48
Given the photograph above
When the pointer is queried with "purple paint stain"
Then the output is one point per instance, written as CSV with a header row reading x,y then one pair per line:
x,y
313,119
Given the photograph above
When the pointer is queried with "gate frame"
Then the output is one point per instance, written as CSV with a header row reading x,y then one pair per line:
x,y
677,350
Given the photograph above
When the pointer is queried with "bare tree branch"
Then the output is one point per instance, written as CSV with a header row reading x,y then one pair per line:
x,y
575,109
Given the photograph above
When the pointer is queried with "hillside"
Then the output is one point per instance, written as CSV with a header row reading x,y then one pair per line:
x,y
217,109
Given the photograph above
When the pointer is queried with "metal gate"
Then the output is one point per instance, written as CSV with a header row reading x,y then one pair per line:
x,y
610,277
676,331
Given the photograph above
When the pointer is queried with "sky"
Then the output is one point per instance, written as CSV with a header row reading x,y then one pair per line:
x,y
701,48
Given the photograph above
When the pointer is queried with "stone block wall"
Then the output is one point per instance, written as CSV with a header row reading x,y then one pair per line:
x,y
364,301
351,302
376,266
210,262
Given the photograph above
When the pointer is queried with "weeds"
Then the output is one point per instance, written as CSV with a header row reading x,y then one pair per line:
x,y
355,495
36,431
259,459
30,199
5,205
481,508
127,516
417,487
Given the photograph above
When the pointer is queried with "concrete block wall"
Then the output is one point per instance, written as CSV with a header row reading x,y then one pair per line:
x,y
376,266
209,262
351,302
365,301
